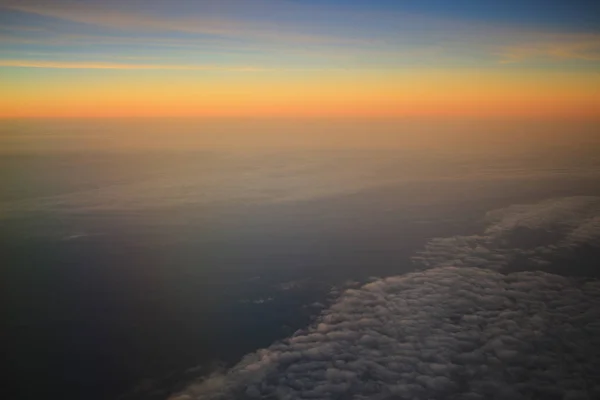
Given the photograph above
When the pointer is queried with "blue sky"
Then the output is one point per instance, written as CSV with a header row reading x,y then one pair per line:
x,y
574,15
517,37
305,34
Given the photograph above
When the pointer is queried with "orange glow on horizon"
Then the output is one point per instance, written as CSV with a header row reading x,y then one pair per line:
x,y
388,93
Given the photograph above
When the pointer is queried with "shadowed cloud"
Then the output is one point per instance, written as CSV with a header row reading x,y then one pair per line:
x,y
448,332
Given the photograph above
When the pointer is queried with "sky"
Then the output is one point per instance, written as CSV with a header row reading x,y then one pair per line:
x,y
326,58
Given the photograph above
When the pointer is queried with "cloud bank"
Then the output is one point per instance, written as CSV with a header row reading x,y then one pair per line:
x,y
447,332
531,234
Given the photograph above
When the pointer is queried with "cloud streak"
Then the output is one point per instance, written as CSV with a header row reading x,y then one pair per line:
x,y
267,23
580,47
112,15
123,66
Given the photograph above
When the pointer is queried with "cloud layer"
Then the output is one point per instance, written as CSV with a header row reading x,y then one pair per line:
x,y
447,332
531,234
444,333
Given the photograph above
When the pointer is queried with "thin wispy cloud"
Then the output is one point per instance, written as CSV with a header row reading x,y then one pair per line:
x,y
287,28
124,19
394,62
568,47
107,65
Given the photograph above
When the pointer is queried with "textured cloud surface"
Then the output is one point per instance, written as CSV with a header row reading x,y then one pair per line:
x,y
447,332
531,234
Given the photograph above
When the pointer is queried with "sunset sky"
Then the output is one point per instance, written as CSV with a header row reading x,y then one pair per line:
x,y
523,58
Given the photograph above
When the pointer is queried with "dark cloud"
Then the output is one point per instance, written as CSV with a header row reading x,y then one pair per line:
x,y
449,332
